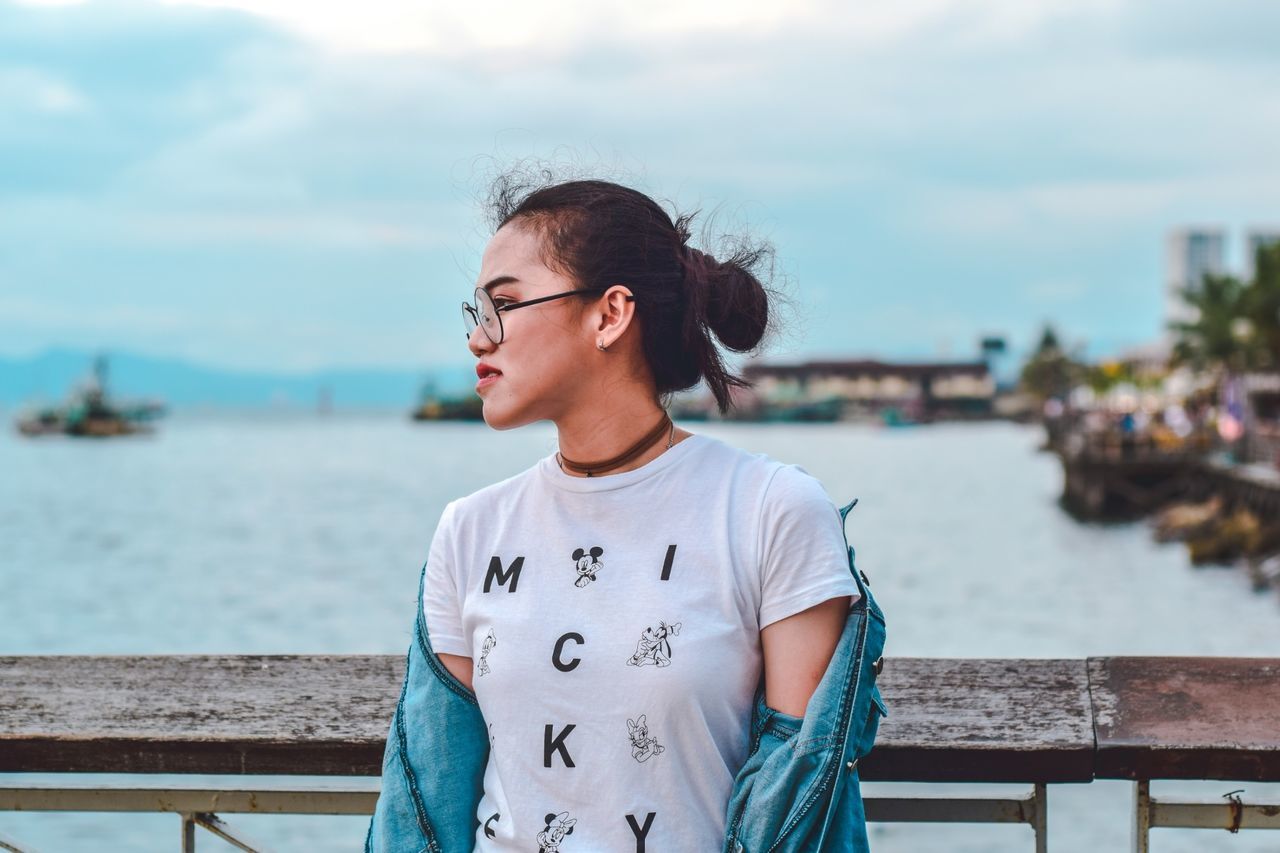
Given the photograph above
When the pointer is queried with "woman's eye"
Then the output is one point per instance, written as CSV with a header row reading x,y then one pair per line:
x,y
499,301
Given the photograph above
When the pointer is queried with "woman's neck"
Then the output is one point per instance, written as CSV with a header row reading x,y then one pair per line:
x,y
596,436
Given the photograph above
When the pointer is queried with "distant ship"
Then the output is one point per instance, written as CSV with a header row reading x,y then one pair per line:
x,y
90,414
432,407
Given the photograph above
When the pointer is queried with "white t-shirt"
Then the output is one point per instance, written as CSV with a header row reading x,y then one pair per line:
x,y
614,627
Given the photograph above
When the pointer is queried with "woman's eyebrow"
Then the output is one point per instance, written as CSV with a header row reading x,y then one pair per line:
x,y
500,280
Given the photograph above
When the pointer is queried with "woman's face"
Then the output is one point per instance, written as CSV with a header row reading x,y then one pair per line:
x,y
545,348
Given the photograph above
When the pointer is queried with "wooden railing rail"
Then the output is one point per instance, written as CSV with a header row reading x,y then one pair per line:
x,y
1033,721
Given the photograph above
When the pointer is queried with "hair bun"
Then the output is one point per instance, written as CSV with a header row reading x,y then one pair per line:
x,y
728,299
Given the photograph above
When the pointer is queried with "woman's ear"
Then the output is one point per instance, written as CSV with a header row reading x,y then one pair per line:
x,y
614,312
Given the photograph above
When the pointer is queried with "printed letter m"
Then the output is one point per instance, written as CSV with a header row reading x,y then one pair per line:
x,y
495,572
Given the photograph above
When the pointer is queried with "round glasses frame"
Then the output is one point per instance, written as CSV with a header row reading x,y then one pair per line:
x,y
486,314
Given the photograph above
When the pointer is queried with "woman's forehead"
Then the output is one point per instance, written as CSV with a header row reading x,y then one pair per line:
x,y
515,251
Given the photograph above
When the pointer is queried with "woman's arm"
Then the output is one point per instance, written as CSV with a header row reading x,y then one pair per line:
x,y
460,667
796,650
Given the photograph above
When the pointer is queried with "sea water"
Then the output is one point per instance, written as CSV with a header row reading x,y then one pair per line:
x,y
301,534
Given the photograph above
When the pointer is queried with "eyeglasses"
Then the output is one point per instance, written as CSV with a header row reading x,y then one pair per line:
x,y
488,315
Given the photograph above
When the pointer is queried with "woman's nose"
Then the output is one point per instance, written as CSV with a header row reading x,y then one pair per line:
x,y
478,342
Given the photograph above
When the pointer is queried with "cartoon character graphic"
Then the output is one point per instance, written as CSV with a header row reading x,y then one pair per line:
x,y
557,827
643,747
654,647
587,564
482,667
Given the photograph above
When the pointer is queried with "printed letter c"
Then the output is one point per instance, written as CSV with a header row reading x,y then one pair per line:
x,y
566,666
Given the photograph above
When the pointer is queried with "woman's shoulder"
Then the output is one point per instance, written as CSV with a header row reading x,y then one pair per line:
x,y
776,484
791,486
724,454
492,497
754,463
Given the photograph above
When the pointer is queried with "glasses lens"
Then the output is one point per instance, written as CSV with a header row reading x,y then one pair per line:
x,y
468,318
488,315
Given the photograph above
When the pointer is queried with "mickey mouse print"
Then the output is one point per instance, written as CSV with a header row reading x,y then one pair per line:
x,y
587,564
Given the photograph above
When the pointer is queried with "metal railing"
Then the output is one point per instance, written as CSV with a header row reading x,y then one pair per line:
x,y
1035,722
204,808
1232,815
197,807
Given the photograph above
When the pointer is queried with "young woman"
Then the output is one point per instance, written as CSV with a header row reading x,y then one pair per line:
x,y
612,609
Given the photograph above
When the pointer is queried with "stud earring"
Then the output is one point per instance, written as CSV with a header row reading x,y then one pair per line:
x,y
600,346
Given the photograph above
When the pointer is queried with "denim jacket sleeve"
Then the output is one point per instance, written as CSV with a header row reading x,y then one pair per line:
x,y
798,789
433,766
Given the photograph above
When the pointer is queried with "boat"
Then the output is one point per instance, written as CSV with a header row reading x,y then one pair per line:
x,y
432,407
91,414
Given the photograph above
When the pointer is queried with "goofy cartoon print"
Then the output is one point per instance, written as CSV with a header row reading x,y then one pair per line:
x,y
654,648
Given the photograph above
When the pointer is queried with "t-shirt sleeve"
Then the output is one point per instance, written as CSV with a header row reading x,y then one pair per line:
x,y
441,603
802,547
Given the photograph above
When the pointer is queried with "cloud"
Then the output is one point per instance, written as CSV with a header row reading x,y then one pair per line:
x,y
32,89
401,26
350,230
927,159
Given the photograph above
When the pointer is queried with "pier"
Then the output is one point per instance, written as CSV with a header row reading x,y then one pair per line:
x,y
1113,480
1037,722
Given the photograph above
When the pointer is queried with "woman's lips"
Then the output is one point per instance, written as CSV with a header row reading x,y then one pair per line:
x,y
487,380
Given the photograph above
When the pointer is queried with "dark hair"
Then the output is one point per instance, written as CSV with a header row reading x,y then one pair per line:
x,y
601,233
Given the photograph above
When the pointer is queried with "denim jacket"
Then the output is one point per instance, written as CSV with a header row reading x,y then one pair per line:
x,y
797,791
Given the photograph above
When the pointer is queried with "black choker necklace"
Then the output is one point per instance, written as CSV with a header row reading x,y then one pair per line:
x,y
590,468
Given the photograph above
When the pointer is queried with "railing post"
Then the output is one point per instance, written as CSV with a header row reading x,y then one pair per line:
x,y
1141,815
1041,824
188,833
7,843
223,830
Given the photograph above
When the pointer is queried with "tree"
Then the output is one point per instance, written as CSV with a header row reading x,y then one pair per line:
x,y
1222,334
1237,324
1050,372
1262,305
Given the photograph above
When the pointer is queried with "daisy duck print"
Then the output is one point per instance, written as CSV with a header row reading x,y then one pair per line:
x,y
643,747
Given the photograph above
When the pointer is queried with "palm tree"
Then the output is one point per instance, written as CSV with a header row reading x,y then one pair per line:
x,y
1262,305
1221,337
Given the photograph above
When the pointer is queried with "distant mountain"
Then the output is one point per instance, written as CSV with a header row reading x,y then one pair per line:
x,y
48,377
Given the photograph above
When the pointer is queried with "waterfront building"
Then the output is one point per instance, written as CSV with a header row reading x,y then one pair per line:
x,y
1255,239
1192,252
867,387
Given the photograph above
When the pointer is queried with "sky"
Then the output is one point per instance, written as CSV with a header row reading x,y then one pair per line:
x,y
292,185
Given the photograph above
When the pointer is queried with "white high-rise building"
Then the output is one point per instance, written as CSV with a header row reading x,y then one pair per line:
x,y
1192,252
1255,239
